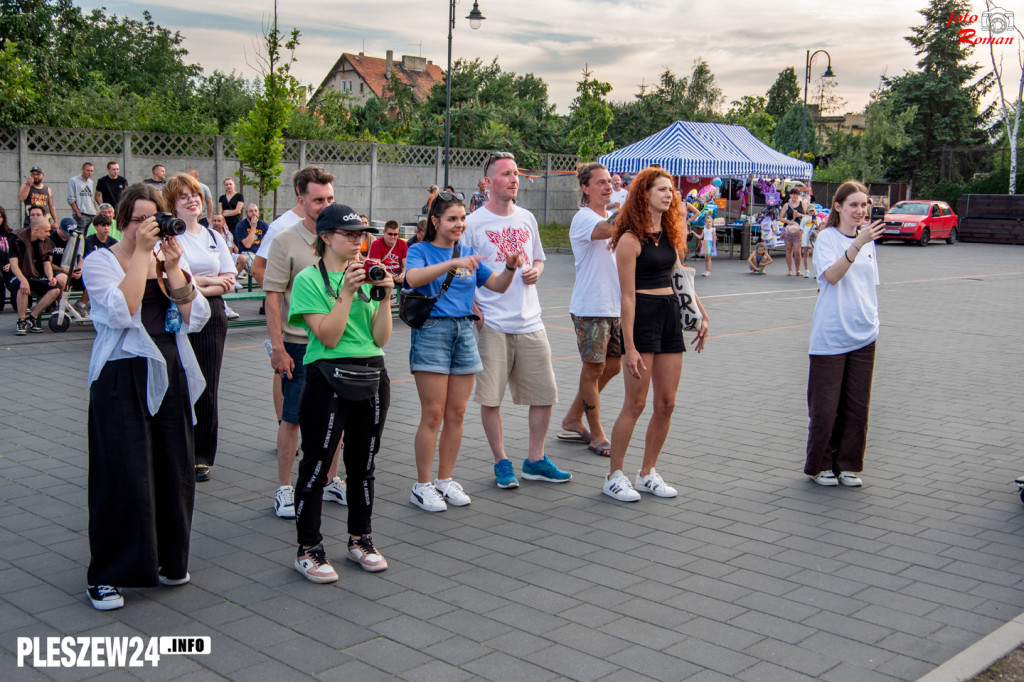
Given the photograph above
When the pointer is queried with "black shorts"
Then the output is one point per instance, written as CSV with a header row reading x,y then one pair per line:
x,y
657,324
37,285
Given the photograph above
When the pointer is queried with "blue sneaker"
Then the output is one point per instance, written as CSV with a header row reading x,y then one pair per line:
x,y
544,470
505,475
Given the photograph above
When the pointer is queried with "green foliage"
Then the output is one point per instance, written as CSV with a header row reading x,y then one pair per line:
x,y
693,98
788,133
784,93
226,98
750,112
328,118
554,235
589,119
995,182
16,92
260,134
943,90
865,156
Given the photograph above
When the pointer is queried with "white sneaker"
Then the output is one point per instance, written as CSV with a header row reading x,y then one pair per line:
x,y
654,483
452,492
617,485
231,314
826,478
426,497
284,502
335,491
850,478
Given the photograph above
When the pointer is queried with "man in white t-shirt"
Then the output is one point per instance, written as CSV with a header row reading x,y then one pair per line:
x,y
619,193
513,345
594,308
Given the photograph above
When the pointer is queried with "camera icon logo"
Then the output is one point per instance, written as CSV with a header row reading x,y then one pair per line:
x,y
997,20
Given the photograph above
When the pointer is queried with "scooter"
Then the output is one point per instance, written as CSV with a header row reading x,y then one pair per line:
x,y
74,253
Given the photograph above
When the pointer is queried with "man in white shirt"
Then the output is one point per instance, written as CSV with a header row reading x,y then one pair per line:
x,y
594,308
619,193
513,345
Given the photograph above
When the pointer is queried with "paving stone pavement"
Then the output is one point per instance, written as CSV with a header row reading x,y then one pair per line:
x,y
752,573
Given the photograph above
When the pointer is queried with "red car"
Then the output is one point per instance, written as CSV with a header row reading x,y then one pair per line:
x,y
920,221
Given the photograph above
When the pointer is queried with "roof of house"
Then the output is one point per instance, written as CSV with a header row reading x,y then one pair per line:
x,y
373,70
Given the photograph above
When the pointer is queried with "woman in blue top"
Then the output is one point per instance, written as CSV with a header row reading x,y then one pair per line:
x,y
443,355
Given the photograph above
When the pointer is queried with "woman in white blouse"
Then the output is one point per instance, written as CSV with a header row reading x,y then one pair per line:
x,y
213,268
143,381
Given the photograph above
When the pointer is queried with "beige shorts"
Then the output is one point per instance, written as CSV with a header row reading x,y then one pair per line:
x,y
522,361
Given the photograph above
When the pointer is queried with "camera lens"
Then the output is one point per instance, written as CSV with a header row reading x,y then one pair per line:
x,y
375,273
169,225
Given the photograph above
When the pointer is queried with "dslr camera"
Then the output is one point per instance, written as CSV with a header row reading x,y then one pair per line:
x,y
169,225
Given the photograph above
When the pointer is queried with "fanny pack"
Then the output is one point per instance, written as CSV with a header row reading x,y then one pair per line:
x,y
414,308
348,381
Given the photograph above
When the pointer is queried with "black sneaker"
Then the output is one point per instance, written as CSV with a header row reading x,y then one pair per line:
x,y
104,597
202,473
312,563
21,328
33,324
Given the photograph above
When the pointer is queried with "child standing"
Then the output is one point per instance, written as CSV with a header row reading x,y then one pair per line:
x,y
759,259
709,245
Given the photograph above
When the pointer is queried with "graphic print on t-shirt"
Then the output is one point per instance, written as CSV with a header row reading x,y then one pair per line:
x,y
512,240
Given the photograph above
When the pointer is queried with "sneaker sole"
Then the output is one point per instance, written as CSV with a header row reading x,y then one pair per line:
x,y
619,499
827,483
422,506
858,484
448,500
368,567
641,489
318,579
541,477
506,486
174,583
286,514
106,605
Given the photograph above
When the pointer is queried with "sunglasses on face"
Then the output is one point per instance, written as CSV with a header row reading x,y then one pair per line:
x,y
495,156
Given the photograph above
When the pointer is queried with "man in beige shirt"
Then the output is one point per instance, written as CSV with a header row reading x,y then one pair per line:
x,y
290,253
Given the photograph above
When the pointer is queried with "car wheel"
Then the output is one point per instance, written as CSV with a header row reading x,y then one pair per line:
x,y
952,239
925,237
61,326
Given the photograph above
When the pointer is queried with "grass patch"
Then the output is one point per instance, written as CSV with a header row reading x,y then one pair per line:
x,y
554,234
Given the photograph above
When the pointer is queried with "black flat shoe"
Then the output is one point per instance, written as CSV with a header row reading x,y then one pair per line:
x,y
202,473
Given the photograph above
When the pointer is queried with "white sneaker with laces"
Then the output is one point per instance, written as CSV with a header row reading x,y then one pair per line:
x,y
229,313
850,478
617,485
452,492
335,491
284,502
426,497
826,478
654,483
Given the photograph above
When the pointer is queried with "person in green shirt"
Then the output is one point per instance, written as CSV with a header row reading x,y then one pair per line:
x,y
347,388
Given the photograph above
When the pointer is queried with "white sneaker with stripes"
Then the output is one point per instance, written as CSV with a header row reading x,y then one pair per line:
x,y
619,487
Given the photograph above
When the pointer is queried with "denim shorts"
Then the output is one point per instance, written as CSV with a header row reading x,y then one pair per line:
x,y
445,345
291,389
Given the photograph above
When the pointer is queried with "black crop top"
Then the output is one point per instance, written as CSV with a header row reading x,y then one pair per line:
x,y
654,264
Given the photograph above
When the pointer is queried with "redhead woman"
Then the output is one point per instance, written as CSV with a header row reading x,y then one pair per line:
x,y
213,271
843,333
143,382
648,239
443,355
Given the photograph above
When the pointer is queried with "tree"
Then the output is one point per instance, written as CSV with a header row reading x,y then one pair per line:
x,y
589,118
1009,117
260,140
944,91
785,92
749,112
788,133
16,91
865,156
227,98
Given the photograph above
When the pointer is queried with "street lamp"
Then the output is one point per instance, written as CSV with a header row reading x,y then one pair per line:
x,y
807,79
475,17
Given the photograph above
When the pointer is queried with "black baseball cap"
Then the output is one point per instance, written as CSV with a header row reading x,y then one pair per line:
x,y
34,169
341,217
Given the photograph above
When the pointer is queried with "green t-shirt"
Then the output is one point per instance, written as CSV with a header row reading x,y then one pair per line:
x,y
309,295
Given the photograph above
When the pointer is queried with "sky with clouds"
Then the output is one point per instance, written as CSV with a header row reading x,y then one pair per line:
x,y
746,43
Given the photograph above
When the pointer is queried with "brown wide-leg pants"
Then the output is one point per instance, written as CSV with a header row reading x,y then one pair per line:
x,y
838,398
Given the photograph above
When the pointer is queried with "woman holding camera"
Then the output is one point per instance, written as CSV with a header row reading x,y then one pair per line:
x,y
143,382
443,356
843,333
347,390
213,270
649,237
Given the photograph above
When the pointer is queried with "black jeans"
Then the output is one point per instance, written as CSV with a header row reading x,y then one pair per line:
x,y
323,418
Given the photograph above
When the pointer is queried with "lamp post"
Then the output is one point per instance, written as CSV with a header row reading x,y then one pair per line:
x,y
475,17
807,79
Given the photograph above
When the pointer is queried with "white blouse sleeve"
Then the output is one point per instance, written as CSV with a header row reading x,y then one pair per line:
x,y
102,275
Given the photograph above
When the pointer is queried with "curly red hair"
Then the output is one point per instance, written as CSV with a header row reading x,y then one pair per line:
x,y
635,215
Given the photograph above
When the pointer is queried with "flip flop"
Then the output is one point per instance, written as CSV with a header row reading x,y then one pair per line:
x,y
604,449
575,436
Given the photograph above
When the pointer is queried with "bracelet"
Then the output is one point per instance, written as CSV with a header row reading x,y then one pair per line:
x,y
847,256
187,298
508,268
855,246
180,291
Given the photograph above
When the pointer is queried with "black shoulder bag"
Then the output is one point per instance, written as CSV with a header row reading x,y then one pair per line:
x,y
349,382
414,308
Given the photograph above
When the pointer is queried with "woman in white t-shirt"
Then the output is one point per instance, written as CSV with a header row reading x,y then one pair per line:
x,y
843,334
213,270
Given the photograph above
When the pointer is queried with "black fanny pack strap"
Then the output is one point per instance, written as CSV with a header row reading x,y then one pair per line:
x,y
451,273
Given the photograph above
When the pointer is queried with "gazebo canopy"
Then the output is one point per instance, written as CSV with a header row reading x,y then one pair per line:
x,y
706,149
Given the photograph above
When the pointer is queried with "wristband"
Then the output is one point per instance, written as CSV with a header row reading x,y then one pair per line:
x,y
186,298
508,268
855,246
847,256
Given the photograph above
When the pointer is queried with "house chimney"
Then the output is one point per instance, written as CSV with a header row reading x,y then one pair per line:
x,y
387,69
